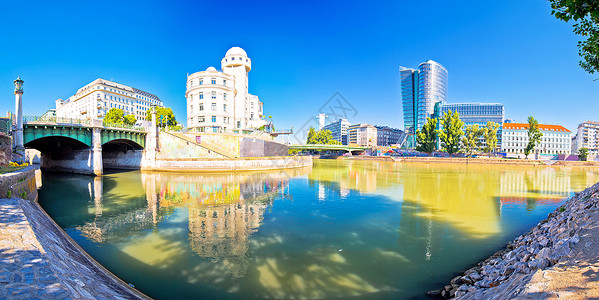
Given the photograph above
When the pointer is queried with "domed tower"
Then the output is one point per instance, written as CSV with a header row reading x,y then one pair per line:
x,y
237,63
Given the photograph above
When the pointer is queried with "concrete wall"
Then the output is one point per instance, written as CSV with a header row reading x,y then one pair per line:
x,y
172,147
75,161
123,159
21,184
258,148
240,164
5,149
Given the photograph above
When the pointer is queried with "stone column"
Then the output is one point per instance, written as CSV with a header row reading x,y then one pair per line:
x,y
152,142
97,166
18,131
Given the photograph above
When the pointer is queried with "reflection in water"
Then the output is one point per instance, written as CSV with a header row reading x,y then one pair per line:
x,y
351,228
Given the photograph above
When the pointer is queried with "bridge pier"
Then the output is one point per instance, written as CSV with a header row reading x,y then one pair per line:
x,y
97,165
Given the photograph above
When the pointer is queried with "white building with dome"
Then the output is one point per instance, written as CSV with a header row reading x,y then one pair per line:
x,y
219,101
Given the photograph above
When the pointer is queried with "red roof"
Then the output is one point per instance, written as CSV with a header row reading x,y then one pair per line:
x,y
542,127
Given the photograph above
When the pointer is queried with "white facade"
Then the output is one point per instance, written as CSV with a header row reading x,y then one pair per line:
x,y
94,100
556,139
587,136
219,101
362,135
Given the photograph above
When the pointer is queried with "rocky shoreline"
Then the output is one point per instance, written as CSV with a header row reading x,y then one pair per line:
x,y
505,274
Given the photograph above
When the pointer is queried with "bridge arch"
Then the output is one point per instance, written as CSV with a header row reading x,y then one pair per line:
x,y
32,133
136,138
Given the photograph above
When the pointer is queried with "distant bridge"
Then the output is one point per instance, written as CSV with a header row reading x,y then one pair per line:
x,y
84,146
338,148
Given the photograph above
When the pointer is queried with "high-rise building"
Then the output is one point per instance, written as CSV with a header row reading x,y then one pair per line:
x,y
339,130
587,136
95,99
421,89
362,135
556,139
386,136
475,114
219,101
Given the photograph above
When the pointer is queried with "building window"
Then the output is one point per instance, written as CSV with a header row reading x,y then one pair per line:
x,y
213,106
201,96
232,58
224,96
191,120
201,119
201,106
191,108
213,119
238,124
201,81
213,81
213,95
224,107
251,116
224,82
252,105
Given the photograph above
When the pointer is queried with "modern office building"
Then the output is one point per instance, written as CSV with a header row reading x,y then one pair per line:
x,y
339,130
556,139
219,101
387,136
587,136
362,135
95,99
475,114
420,90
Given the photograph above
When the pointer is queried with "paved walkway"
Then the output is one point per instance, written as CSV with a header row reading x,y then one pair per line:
x,y
37,261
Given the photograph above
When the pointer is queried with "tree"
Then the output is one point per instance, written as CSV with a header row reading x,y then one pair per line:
x,y
586,15
490,135
325,137
311,136
534,135
426,138
129,120
452,132
583,154
164,114
114,116
471,140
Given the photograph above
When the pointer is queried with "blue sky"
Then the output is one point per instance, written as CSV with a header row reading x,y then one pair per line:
x,y
302,52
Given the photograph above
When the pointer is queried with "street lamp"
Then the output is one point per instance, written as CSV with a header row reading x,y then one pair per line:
x,y
18,85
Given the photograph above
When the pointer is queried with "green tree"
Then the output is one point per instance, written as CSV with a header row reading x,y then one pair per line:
x,y
471,139
490,135
129,120
426,138
583,154
534,135
311,136
164,114
586,15
114,116
325,137
452,132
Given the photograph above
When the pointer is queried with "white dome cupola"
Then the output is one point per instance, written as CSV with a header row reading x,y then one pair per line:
x,y
236,57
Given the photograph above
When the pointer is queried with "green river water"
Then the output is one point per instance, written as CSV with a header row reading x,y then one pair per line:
x,y
341,229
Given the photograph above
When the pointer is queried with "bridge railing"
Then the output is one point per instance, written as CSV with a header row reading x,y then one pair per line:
x,y
55,120
124,126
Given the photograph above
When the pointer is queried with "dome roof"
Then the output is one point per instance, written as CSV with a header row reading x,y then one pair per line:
x,y
236,51
211,69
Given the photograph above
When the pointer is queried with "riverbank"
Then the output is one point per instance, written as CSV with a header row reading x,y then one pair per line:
x,y
557,258
469,160
242,164
38,259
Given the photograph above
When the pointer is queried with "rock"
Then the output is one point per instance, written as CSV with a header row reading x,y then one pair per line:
x,y
538,263
452,292
575,239
508,271
544,253
435,293
559,251
475,276
460,293
456,280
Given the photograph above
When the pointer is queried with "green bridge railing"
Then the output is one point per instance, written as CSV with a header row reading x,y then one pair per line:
x,y
124,126
73,121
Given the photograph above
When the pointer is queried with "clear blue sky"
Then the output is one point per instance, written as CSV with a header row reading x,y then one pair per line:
x,y
302,52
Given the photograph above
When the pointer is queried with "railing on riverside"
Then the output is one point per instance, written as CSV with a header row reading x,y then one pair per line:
x,y
123,126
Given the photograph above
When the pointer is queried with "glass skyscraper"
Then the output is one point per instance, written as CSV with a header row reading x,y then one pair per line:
x,y
420,90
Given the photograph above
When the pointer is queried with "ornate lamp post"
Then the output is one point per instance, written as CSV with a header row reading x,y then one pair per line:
x,y
18,132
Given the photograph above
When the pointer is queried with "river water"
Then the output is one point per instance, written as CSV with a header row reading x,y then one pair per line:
x,y
341,229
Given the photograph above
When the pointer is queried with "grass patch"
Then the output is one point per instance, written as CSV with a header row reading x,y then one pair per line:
x,y
9,169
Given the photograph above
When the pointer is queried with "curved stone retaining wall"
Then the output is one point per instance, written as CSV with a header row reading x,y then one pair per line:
x,y
506,273
20,184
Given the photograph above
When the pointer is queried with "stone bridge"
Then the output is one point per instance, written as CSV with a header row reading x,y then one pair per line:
x,y
84,146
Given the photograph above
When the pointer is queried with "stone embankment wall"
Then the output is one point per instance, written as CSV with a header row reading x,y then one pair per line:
x,y
225,165
505,274
20,184
5,149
